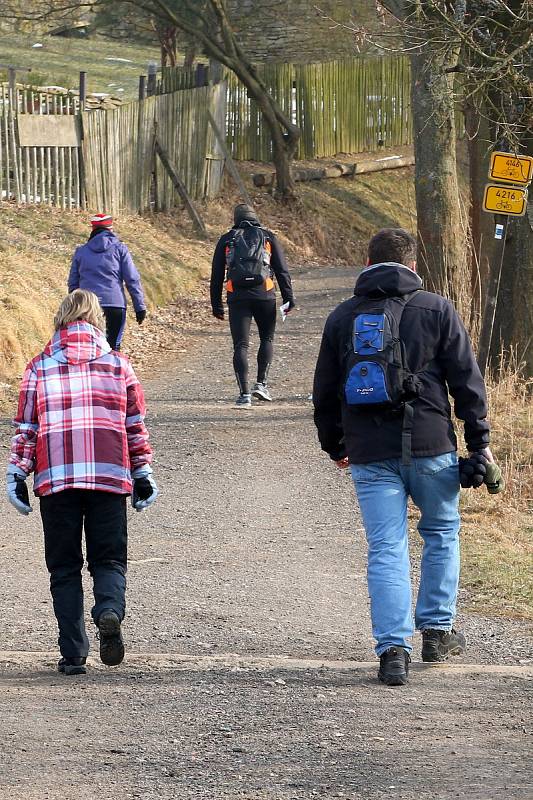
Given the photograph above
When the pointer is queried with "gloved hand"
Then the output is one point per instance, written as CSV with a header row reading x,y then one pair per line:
x,y
17,491
292,304
219,314
494,479
145,488
140,316
472,470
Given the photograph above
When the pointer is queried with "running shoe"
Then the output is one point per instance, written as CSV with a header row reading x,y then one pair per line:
x,y
261,392
244,401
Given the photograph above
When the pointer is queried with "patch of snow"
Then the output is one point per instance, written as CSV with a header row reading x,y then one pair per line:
x,y
37,44
113,58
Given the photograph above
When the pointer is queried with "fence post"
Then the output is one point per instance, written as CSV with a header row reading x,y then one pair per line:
x,y
201,75
142,87
216,71
83,90
152,78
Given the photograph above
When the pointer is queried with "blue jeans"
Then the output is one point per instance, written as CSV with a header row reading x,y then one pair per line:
x,y
382,490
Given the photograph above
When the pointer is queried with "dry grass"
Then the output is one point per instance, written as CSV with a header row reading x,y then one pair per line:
x,y
35,252
497,529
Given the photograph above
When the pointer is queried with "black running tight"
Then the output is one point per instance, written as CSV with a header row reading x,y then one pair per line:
x,y
241,313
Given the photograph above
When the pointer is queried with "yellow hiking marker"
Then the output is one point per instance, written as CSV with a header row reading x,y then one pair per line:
x,y
511,169
511,200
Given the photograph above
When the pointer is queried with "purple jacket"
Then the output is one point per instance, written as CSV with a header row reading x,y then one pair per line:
x,y
103,265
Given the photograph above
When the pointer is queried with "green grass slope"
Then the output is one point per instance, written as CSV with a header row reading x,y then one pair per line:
x,y
59,61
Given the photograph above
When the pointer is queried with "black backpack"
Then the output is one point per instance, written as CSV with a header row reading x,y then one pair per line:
x,y
376,369
248,257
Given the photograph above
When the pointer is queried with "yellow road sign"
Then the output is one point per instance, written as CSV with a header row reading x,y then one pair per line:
x,y
510,200
511,169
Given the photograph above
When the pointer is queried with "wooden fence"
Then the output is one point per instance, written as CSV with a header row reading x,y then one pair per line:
x,y
49,175
119,156
111,163
346,106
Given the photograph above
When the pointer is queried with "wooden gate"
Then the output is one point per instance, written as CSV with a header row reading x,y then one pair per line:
x,y
40,163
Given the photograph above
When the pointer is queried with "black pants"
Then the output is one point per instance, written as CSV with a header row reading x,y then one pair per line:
x,y
115,323
64,515
241,313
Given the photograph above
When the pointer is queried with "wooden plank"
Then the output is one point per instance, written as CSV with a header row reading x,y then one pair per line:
x,y
55,130
229,160
180,188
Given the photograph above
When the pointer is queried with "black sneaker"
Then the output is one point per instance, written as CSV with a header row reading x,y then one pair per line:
x,y
394,666
438,645
72,666
111,644
244,401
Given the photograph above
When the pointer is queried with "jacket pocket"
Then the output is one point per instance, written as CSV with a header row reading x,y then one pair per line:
x,y
430,465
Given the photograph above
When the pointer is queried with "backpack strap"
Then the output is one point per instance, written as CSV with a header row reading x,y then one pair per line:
x,y
407,430
408,408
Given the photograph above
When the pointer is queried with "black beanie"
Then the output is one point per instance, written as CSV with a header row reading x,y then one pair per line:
x,y
242,212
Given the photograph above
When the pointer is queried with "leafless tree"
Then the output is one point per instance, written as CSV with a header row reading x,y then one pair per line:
x,y
208,23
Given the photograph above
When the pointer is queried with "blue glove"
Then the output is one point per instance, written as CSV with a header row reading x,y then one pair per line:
x,y
17,491
145,488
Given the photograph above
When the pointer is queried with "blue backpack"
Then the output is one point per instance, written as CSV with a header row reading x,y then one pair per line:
x,y
377,373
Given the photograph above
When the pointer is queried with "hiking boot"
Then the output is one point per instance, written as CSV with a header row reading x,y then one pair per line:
x,y
111,644
72,666
394,666
438,645
244,401
261,392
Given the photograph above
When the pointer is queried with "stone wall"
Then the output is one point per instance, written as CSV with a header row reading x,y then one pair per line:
x,y
293,30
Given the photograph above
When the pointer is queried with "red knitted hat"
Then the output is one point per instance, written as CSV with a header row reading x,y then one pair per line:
x,y
102,221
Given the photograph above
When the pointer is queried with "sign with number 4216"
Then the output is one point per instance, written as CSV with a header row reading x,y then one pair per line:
x,y
511,200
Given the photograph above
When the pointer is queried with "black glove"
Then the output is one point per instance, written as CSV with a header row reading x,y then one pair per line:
x,y
21,490
140,316
472,471
292,305
142,489
218,313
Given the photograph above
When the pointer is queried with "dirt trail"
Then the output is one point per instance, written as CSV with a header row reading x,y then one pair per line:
x,y
250,671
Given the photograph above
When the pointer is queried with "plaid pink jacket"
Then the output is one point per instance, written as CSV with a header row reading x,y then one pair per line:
x,y
80,419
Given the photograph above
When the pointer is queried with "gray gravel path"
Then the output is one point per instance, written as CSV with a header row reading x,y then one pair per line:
x,y
247,612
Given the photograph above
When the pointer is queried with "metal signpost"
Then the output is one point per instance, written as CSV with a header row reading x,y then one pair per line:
x,y
506,198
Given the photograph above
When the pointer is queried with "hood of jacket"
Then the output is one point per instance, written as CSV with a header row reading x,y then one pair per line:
x,y
103,241
77,343
248,223
387,280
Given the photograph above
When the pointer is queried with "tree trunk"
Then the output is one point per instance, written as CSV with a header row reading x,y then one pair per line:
x,y
441,235
481,224
190,55
284,135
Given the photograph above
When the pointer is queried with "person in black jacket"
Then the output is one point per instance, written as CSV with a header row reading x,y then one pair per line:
x,y
369,441
257,302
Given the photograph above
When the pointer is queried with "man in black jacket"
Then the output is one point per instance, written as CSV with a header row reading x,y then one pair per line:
x,y
371,440
257,302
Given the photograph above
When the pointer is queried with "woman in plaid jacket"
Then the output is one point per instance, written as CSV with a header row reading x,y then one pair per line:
x,y
80,429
